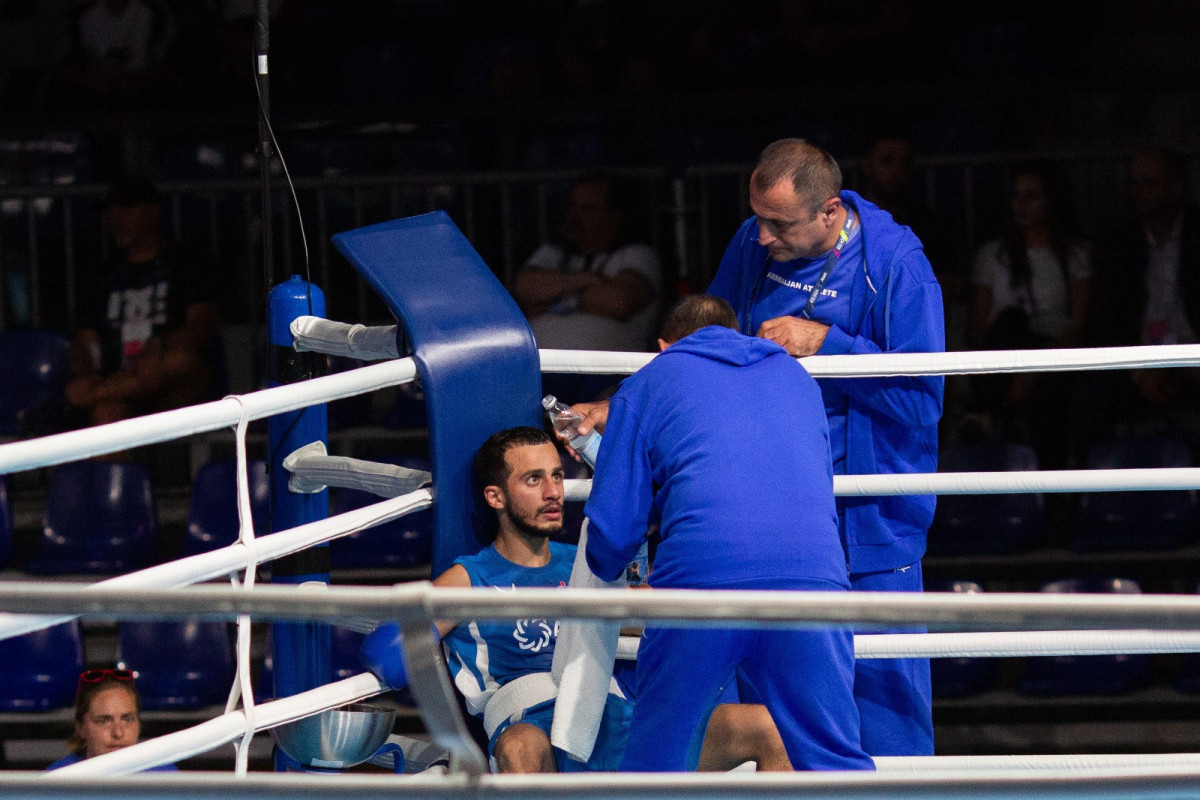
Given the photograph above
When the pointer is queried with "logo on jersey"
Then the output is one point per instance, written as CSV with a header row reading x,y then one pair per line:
x,y
534,634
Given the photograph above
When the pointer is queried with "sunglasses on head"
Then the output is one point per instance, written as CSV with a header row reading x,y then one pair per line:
x,y
97,675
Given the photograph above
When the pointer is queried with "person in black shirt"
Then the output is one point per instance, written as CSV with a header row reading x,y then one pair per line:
x,y
148,341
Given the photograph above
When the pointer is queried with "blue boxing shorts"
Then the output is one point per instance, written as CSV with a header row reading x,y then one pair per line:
x,y
610,739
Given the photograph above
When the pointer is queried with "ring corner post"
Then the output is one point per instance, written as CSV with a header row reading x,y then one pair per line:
x,y
301,650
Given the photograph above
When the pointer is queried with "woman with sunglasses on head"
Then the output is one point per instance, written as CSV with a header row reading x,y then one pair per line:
x,y
107,716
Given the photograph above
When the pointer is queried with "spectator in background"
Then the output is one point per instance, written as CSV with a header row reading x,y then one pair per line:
x,y
107,717
148,341
1030,289
889,182
597,290
1149,267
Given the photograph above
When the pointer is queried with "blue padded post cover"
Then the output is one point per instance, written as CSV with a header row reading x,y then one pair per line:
x,y
474,352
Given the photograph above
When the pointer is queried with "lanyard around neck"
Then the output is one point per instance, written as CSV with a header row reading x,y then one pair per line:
x,y
830,262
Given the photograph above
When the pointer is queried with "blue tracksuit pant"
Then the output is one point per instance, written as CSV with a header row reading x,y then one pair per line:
x,y
803,676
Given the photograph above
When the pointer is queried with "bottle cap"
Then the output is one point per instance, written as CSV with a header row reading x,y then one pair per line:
x,y
548,401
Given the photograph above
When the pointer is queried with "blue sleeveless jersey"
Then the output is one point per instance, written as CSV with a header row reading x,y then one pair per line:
x,y
485,655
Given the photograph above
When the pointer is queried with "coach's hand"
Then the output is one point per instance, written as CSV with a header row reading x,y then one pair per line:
x,y
595,415
800,337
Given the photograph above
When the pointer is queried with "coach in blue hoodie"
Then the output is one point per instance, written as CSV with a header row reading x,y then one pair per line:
x,y
741,486
823,271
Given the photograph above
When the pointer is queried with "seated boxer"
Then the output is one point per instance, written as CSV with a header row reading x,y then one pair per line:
x,y
503,667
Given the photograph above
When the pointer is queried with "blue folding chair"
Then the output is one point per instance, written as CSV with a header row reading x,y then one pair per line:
x,y
405,542
1082,675
213,514
39,670
987,523
960,677
99,518
33,369
183,664
1117,521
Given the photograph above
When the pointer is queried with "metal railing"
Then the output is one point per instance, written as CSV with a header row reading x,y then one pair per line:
x,y
52,235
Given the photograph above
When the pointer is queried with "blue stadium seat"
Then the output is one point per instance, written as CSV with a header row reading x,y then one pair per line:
x,y
343,652
38,671
99,518
1115,521
960,677
405,542
5,524
33,370
987,523
213,514
1187,675
180,664
1082,675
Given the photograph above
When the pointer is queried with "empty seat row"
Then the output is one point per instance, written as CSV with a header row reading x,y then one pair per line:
x,y
179,664
100,518
1063,675
186,664
1106,521
35,366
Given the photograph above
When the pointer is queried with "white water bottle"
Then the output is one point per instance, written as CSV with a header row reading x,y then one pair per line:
x,y
566,422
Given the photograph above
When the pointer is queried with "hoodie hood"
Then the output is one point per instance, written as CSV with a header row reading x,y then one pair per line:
x,y
725,345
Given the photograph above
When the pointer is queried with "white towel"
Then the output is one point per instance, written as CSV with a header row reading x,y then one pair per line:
x,y
583,666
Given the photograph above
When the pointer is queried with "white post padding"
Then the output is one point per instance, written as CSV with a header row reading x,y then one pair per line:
x,y
312,471
321,335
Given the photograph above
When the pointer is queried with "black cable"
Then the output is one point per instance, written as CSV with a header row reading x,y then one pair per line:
x,y
291,188
260,48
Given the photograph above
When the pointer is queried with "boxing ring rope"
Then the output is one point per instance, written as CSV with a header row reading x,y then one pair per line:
x,y
419,603
226,560
226,413
156,585
1125,782
379,342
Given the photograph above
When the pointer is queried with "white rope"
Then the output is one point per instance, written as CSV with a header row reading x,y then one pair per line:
x,y
357,341
242,679
1069,480
918,765
895,364
1001,644
168,425
220,563
1118,777
948,483
224,729
996,644
417,601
